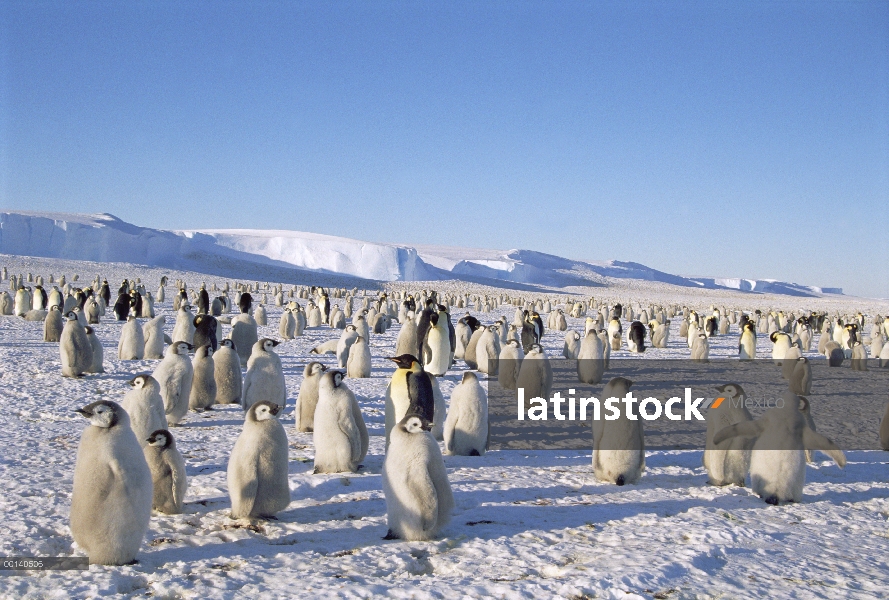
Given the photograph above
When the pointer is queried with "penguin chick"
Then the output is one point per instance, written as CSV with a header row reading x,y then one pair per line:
x,y
340,435
257,467
167,472
418,495
111,501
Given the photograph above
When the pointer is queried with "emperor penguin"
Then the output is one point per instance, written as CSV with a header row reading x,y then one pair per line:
x,y
97,364
183,330
227,371
463,333
145,407
859,356
535,375
466,429
358,365
409,391
615,334
800,379
132,340
884,355
636,337
307,399
487,351
572,345
111,502
22,301
53,325
204,334
510,364
834,354
619,446
747,344
74,348
418,495
660,334
153,334
470,354
93,312
591,359
265,376
340,435
260,316
287,325
344,345
437,351
728,462
407,338
257,468
780,344
788,363
244,334
203,385
167,472
700,349
175,374
778,460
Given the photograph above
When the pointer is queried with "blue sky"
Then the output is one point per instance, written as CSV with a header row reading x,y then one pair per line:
x,y
728,139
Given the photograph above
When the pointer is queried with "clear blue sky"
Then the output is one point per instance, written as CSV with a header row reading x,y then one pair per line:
x,y
730,139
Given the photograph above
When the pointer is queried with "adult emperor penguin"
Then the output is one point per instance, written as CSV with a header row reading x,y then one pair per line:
x,y
203,385
409,391
437,350
619,446
97,364
780,344
132,340
227,371
747,345
358,364
122,306
205,327
53,325
75,348
111,502
466,429
265,376
727,463
636,337
778,460
591,359
257,468
307,399
175,374
419,500
340,435
510,364
167,472
153,333
145,407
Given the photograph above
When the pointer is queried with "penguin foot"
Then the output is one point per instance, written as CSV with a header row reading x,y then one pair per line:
x,y
474,452
620,480
773,500
359,467
390,535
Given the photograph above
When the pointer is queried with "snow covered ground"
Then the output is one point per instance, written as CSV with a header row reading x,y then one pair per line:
x,y
528,524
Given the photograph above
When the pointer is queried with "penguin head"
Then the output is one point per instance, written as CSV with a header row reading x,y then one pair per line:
x,y
404,361
160,439
263,411
204,351
351,328
469,377
103,413
415,424
267,344
181,348
140,381
227,343
731,390
332,379
71,315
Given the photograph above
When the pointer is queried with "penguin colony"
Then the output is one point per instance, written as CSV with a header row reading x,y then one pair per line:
x,y
137,436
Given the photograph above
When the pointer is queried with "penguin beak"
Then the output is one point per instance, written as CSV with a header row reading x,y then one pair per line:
x,y
275,409
84,412
426,425
132,382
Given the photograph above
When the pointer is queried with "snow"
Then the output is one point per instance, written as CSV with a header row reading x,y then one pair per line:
x,y
527,524
249,253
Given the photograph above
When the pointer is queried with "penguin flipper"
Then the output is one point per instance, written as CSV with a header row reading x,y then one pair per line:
x,y
812,440
419,389
743,429
346,423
